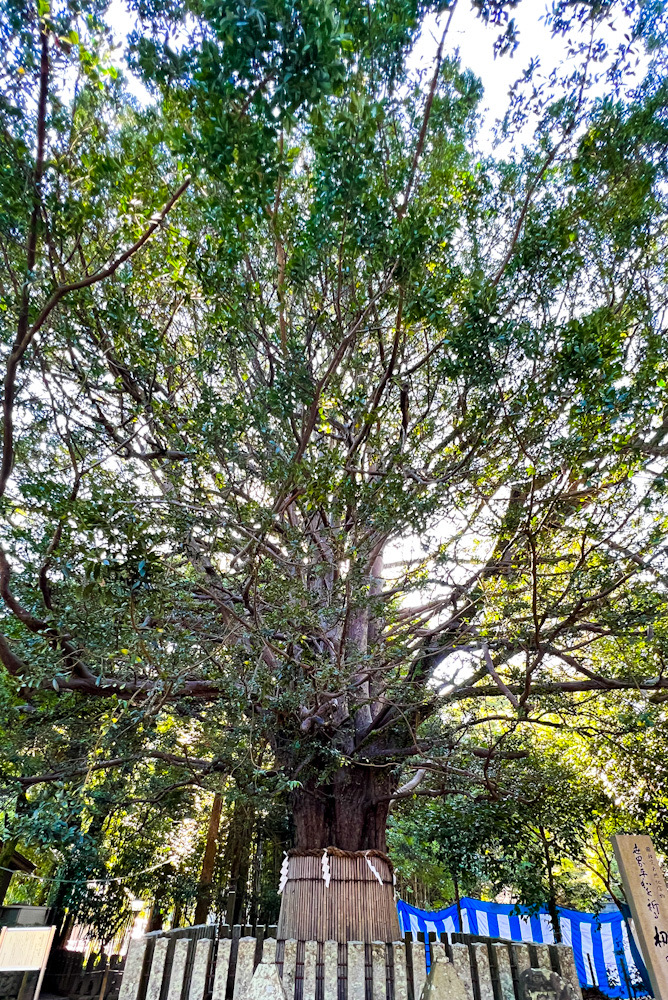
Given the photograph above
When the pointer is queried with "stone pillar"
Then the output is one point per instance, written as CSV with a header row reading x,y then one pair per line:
x,y
647,895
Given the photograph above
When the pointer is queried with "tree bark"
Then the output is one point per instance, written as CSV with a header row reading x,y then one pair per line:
x,y
156,918
349,812
6,854
237,858
345,893
552,897
458,901
210,850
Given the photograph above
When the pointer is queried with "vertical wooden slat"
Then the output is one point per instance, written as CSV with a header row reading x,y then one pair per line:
x,y
290,968
484,972
378,971
354,906
134,966
222,969
259,943
400,978
408,945
419,968
310,960
105,978
235,931
157,969
200,969
330,970
567,968
245,966
506,988
356,973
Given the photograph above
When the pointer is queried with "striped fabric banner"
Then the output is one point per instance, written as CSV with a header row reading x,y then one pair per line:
x,y
605,956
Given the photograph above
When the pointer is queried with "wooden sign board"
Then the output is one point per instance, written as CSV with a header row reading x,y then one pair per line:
x,y
647,896
26,949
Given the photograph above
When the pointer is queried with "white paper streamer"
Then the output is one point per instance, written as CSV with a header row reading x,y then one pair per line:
x,y
374,870
284,873
326,874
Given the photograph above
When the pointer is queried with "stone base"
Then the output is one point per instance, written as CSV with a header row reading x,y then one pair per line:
x,y
443,983
544,984
265,984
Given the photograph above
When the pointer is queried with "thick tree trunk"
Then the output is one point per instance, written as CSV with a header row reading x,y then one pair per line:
x,y
345,893
348,813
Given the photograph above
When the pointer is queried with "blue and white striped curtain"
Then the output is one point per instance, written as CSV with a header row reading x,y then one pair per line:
x,y
604,954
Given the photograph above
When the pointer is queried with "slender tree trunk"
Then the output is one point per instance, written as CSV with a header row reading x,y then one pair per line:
x,y
552,899
256,879
210,850
6,855
156,918
237,857
458,901
159,909
7,849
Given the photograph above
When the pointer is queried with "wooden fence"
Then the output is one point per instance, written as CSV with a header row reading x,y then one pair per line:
x,y
207,963
80,977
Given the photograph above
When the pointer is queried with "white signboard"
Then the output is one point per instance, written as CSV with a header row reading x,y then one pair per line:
x,y
26,949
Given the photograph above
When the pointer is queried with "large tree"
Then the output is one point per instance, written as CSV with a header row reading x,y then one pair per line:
x,y
319,422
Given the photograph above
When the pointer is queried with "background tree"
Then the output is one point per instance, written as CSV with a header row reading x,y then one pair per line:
x,y
544,844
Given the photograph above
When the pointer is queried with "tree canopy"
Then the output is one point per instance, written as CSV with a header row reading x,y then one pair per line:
x,y
333,435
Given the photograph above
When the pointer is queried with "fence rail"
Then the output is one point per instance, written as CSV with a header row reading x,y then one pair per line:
x,y
209,963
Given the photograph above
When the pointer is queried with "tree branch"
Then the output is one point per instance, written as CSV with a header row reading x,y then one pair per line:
x,y
26,334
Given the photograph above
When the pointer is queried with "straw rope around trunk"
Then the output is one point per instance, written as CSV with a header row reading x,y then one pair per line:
x,y
334,895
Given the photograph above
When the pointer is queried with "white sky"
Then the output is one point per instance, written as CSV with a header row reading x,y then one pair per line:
x,y
475,42
468,34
